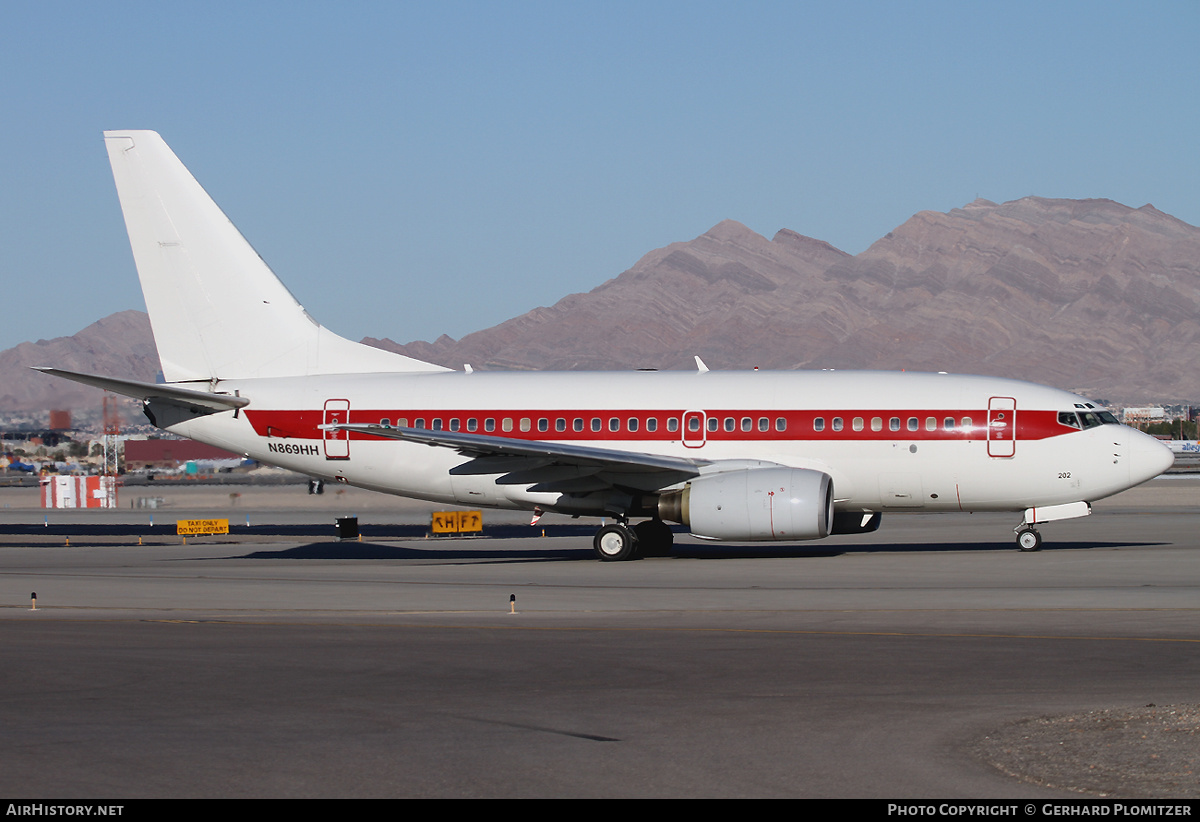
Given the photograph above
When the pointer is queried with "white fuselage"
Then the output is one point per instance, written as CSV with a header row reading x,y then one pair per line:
x,y
963,443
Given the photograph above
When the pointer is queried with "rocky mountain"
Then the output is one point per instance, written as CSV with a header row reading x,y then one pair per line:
x,y
1088,295
713,296
120,345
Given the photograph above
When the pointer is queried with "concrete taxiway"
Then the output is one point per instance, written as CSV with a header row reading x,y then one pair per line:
x,y
867,666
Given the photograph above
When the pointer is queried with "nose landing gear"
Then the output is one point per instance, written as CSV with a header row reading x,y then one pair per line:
x,y
1028,539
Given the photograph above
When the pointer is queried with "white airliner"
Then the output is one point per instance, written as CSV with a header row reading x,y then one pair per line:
x,y
759,455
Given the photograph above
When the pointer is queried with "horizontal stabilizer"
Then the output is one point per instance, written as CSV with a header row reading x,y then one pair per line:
x,y
189,398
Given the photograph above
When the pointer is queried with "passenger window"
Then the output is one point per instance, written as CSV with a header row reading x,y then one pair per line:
x,y
673,424
894,423
819,424
948,423
543,424
713,424
913,423
694,424
966,422
386,423
614,424
633,424
876,423
837,423
506,424
525,424
489,424
729,424
402,422
437,424
931,423
781,424
857,424
596,425
420,423
764,424
454,423
747,424
472,424
560,424
577,424
652,424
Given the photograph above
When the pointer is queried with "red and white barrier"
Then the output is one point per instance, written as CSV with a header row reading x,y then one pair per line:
x,y
79,492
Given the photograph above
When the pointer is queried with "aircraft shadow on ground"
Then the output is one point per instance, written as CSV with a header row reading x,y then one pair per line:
x,y
758,550
478,551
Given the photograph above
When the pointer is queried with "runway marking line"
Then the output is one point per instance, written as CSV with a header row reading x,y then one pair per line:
x,y
780,631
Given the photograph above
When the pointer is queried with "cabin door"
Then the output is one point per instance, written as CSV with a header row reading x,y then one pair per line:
x,y
337,443
1002,427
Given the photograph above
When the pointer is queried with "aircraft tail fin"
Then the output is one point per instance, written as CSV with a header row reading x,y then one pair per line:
x,y
217,309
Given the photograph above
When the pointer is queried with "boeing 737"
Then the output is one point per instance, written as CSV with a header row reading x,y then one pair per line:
x,y
740,456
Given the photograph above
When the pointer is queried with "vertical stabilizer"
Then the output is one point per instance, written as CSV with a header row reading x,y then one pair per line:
x,y
217,310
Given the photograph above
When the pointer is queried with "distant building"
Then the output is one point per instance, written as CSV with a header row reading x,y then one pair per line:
x,y
60,420
42,436
1144,415
170,454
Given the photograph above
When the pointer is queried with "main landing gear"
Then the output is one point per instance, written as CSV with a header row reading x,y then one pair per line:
x,y
618,541
615,542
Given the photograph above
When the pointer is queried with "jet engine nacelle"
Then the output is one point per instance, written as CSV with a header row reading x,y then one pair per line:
x,y
754,504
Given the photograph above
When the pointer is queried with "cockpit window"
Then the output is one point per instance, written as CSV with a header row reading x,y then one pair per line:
x,y
1086,419
1068,418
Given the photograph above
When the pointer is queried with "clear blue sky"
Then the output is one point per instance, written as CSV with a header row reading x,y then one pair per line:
x,y
417,168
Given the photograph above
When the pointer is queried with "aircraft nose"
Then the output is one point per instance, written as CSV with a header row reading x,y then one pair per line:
x,y
1147,457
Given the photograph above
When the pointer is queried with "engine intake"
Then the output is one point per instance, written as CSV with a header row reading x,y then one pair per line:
x,y
782,504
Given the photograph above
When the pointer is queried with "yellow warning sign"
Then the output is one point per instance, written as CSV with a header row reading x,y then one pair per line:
x,y
457,522
192,527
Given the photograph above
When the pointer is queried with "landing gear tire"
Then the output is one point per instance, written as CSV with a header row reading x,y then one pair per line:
x,y
654,538
1029,540
614,543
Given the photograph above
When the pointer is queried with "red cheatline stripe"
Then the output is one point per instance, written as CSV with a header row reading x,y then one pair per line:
x,y
533,424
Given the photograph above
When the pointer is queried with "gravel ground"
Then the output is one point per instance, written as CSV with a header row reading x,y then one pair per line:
x,y
1148,752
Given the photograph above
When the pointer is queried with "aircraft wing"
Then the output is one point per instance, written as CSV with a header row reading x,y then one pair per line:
x,y
546,466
